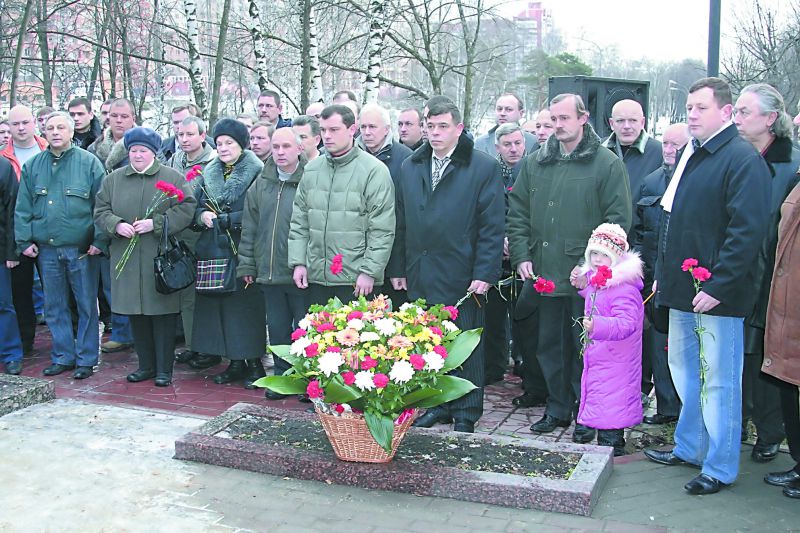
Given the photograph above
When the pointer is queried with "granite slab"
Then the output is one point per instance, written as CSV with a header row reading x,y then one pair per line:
x,y
19,392
577,494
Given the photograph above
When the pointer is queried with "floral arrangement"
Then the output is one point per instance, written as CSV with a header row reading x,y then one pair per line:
x,y
598,281
166,191
211,204
362,358
699,275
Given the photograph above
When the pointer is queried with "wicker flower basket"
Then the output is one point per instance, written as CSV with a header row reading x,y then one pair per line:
x,y
352,441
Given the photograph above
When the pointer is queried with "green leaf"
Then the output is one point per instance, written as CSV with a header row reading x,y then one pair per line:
x,y
337,392
418,395
452,388
381,427
282,351
283,384
460,349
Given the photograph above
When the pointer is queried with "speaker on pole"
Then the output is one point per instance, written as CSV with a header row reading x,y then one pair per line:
x,y
600,94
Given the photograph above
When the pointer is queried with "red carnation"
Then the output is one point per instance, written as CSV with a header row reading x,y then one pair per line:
x,y
380,380
701,274
354,314
299,332
441,350
417,361
688,264
339,408
336,349
368,363
348,377
164,186
312,350
314,390
544,286
179,194
436,331
336,264
327,326
452,311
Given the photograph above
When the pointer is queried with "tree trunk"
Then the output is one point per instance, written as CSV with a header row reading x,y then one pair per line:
x,y
44,51
305,53
98,55
195,65
377,29
315,90
259,45
23,31
219,64
470,39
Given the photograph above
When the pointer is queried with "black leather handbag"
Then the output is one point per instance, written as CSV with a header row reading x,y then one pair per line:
x,y
174,265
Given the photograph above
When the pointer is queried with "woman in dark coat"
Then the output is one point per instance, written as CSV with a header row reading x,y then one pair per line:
x,y
231,325
120,206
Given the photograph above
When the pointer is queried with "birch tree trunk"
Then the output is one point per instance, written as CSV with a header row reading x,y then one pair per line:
x,y
195,65
377,30
259,44
23,31
315,90
219,64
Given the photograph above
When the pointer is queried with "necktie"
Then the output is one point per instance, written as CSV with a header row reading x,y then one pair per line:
x,y
696,144
436,177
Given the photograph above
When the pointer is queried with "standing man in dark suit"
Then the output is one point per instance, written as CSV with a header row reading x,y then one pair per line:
x,y
450,226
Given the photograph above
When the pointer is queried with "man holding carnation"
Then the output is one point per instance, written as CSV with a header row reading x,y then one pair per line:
x,y
450,224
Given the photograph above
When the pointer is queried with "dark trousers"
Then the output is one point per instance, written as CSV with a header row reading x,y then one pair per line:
x,y
470,406
526,342
557,352
761,401
495,334
791,419
10,345
654,344
154,340
286,305
22,292
320,294
398,298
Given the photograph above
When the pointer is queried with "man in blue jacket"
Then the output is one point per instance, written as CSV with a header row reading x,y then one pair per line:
x,y
716,212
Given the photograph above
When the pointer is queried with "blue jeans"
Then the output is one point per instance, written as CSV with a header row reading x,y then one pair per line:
x,y
709,427
120,325
10,343
65,269
38,294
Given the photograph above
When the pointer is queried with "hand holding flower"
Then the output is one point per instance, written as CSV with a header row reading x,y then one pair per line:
x,y
143,226
124,229
704,302
208,218
588,325
525,270
364,284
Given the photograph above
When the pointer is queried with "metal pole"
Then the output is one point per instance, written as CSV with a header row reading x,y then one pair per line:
x,y
714,12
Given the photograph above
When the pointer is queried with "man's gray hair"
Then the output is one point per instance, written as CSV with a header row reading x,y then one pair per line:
x,y
375,108
191,119
62,114
505,129
770,100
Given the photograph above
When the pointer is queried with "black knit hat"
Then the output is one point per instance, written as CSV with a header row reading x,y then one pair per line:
x,y
141,136
233,129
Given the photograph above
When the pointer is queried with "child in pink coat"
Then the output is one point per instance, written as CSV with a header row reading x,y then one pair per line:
x,y
613,320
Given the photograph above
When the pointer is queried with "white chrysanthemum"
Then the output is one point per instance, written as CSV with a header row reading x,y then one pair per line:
x,y
304,323
386,326
330,362
449,326
410,307
364,380
369,336
298,347
433,361
401,372
355,323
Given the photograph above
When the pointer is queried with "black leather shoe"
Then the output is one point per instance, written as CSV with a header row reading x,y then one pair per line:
x,y
236,371
792,491
431,417
56,369
583,434
658,418
272,395
782,479
665,458
464,426
203,361
185,356
548,424
163,380
82,372
14,368
255,371
764,452
141,375
529,400
703,484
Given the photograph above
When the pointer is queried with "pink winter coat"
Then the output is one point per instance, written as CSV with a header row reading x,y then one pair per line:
x,y
612,362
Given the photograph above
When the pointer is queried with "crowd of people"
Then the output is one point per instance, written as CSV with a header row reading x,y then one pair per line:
x,y
667,265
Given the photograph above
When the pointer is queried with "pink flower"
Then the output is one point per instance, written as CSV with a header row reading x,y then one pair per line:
x,y
334,349
339,408
689,263
417,361
368,363
336,264
314,390
380,380
299,332
312,350
452,311
327,326
398,341
441,350
436,331
354,314
544,286
349,377
347,337
701,274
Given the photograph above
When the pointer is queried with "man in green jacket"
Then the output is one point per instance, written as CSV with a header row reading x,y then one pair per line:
x,y
343,222
564,190
54,223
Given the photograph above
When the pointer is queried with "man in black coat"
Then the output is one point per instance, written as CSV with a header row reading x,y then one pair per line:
x,y
10,343
450,225
716,214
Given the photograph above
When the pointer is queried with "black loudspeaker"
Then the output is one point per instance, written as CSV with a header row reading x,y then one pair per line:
x,y
600,94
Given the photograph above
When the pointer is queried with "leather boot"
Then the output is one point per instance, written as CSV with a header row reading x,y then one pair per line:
x,y
164,364
255,371
236,371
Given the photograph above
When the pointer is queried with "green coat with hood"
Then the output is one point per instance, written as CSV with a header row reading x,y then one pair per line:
x,y
344,205
264,247
558,199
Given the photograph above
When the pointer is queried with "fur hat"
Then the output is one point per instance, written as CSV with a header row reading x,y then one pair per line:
x,y
141,136
608,239
233,129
